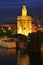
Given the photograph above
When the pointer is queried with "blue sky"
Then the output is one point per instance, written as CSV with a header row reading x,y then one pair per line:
x,y
10,9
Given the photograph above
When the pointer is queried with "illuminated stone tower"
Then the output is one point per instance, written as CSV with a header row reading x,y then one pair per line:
x,y
24,22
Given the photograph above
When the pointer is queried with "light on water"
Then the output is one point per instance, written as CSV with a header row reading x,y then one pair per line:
x,y
23,59
10,57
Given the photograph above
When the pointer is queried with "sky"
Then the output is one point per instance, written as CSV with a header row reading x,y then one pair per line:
x,y
10,9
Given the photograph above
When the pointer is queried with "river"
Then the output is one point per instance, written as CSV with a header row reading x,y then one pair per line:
x,y
11,57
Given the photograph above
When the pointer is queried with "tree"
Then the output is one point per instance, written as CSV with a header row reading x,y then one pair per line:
x,y
20,37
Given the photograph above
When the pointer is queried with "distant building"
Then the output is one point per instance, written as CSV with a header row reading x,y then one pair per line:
x,y
34,28
40,28
9,27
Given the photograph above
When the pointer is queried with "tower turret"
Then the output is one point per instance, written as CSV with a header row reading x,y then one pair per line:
x,y
24,10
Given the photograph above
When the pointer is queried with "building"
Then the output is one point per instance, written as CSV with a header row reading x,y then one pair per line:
x,y
24,22
34,28
8,27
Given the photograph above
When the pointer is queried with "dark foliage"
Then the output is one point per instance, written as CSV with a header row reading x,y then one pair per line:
x,y
20,37
36,39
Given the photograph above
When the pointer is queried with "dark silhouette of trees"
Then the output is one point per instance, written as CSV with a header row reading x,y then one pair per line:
x,y
20,37
35,40
21,40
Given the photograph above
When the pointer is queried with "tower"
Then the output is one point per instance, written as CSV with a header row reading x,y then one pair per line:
x,y
24,22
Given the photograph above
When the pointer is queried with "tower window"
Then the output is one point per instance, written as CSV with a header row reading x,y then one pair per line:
x,y
24,22
24,28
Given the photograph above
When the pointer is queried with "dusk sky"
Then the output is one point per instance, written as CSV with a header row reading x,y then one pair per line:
x,y
10,9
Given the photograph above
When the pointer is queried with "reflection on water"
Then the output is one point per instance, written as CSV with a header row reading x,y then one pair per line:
x,y
28,58
23,59
8,57
7,52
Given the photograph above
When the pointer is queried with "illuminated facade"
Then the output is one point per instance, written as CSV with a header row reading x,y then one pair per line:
x,y
24,22
8,27
34,28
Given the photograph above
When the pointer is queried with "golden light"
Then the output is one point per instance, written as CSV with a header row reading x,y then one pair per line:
x,y
4,30
24,22
1,28
24,10
20,31
9,28
39,25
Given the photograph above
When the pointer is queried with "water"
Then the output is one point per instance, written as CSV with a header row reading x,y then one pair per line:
x,y
23,59
8,57
29,58
11,57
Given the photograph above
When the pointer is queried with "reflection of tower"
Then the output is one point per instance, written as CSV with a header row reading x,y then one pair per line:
x,y
24,22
